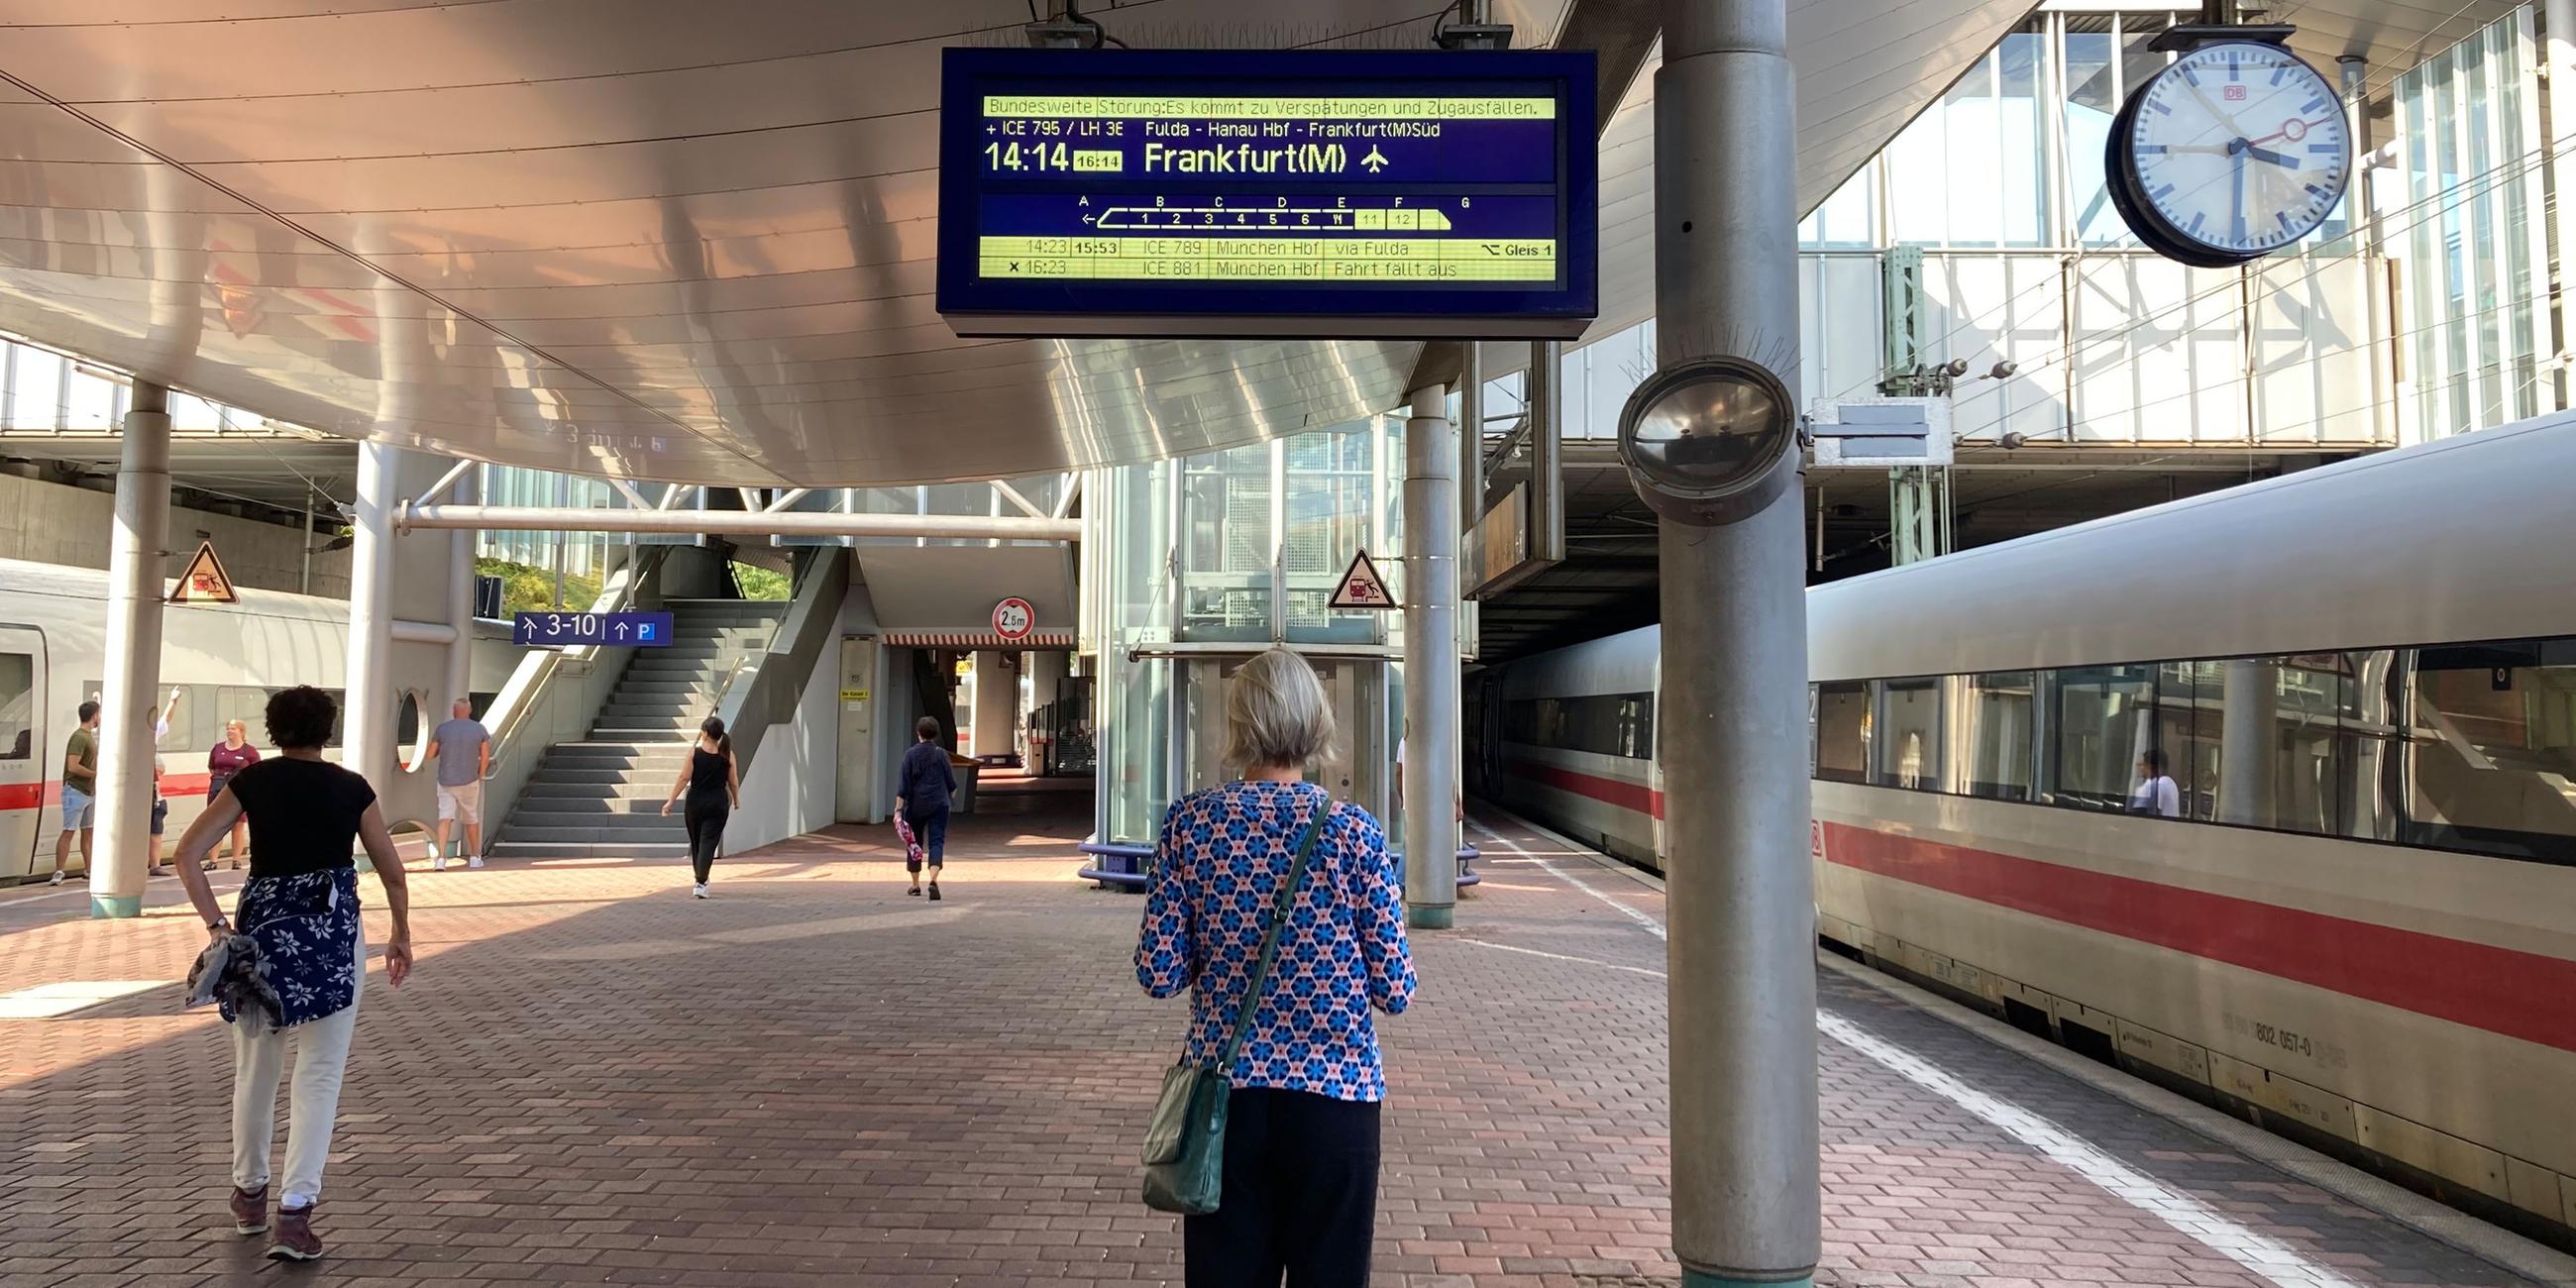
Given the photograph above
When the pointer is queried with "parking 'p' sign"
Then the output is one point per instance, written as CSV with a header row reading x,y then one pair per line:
x,y
1013,619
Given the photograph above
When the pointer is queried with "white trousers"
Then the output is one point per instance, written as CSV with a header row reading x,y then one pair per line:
x,y
321,1056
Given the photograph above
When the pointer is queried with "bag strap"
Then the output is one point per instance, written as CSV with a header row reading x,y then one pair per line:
x,y
1270,941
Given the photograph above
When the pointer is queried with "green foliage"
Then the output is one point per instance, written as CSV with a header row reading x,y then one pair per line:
x,y
526,589
760,583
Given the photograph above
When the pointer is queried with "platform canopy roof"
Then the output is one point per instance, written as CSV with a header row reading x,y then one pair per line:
x,y
693,241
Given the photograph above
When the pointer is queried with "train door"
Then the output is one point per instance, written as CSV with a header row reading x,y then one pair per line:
x,y
22,750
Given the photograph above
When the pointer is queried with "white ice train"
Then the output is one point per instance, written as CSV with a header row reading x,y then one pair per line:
x,y
224,660
2358,926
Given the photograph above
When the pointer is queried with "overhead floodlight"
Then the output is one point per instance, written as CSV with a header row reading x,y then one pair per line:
x,y
1711,441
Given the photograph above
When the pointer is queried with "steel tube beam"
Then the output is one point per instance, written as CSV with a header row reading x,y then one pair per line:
x,y
367,725
1430,662
460,608
130,689
1739,894
740,523
448,480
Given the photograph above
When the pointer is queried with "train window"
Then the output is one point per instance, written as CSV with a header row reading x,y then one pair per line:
x,y
1909,748
2368,740
17,706
1637,726
2492,747
2269,746
1994,736
246,704
1842,732
2100,734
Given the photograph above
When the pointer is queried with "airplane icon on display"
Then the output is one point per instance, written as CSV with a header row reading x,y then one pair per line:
x,y
1375,160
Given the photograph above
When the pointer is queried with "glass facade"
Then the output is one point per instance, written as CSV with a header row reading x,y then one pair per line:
x,y
2473,282
41,390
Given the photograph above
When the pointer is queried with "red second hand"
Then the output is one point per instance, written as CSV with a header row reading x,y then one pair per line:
x,y
2284,131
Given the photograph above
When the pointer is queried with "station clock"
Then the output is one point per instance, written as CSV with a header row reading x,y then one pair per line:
x,y
2233,152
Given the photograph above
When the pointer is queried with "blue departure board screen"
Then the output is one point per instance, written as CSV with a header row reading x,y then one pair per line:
x,y
1267,193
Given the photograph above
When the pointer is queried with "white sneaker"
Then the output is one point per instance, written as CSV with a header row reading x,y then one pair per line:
x,y
438,863
474,861
699,889
58,877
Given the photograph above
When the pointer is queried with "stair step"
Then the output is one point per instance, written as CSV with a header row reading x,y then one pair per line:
x,y
661,830
590,850
579,781
591,807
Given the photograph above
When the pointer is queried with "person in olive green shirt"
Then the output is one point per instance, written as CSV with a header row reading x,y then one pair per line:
x,y
80,788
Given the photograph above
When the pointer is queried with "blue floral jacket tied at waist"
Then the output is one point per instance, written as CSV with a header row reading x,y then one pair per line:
x,y
306,927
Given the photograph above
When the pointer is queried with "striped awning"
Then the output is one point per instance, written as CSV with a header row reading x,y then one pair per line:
x,y
1040,639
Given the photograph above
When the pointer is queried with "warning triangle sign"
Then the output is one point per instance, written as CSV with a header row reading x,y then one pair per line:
x,y
1361,587
204,581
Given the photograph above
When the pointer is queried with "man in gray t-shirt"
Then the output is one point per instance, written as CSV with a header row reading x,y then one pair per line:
x,y
462,750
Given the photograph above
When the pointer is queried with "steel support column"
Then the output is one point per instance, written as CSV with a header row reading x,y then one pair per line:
x,y
460,608
1733,713
1430,662
129,696
367,724
2558,34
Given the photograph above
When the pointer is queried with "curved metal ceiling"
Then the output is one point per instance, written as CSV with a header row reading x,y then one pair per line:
x,y
676,240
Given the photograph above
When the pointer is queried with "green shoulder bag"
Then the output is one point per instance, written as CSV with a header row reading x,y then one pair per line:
x,y
1185,1143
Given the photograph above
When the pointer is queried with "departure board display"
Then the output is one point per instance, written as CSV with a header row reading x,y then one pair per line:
x,y
1291,193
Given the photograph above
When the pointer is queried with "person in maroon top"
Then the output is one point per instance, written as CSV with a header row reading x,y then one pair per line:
x,y
231,756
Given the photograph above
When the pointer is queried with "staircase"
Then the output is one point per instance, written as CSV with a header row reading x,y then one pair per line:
x,y
601,797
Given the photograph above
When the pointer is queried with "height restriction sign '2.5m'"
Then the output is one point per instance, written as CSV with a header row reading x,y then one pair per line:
x,y
1283,193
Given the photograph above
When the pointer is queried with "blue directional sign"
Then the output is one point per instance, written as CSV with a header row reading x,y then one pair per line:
x,y
1327,194
567,630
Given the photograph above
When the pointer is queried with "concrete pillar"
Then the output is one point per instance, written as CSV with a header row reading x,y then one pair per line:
x,y
1430,662
1733,713
367,726
2247,744
129,697
997,694
460,609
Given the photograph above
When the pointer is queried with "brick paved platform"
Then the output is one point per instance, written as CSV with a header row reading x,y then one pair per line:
x,y
812,1079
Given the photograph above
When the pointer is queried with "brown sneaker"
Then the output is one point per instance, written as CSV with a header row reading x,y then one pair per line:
x,y
295,1240
250,1210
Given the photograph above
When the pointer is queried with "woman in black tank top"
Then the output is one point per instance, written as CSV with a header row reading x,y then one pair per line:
x,y
714,792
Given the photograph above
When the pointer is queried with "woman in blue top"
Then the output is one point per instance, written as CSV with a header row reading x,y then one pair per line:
x,y
927,784
1301,1148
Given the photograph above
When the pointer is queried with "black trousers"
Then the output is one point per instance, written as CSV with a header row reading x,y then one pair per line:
x,y
1300,1195
706,821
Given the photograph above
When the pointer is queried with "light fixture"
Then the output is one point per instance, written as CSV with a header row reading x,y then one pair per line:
x,y
1710,441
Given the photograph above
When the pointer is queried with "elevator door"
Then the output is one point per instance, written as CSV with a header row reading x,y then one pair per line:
x,y
854,794
1360,764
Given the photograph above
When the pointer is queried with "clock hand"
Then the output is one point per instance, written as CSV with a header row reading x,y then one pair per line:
x,y
2238,195
2215,110
2284,131
2276,158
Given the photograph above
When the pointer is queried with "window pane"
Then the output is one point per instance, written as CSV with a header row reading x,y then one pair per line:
x,y
1993,736
17,705
36,389
2372,789
2092,99
1909,755
2101,734
2492,751
1842,732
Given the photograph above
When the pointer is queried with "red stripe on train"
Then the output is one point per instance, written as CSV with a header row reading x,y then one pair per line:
x,y
39,795
2501,990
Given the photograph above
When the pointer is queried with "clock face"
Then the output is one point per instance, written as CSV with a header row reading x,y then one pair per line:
x,y
2233,152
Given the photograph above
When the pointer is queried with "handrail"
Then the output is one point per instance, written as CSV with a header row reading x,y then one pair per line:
x,y
764,693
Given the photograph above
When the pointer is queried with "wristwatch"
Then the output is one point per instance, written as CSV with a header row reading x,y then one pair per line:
x,y
219,924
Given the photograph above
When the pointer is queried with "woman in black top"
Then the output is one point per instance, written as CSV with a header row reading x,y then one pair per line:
x,y
300,906
715,792
926,784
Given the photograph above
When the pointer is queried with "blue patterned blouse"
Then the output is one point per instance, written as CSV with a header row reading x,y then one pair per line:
x,y
1224,854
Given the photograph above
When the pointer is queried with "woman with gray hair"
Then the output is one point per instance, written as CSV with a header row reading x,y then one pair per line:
x,y
1301,1140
